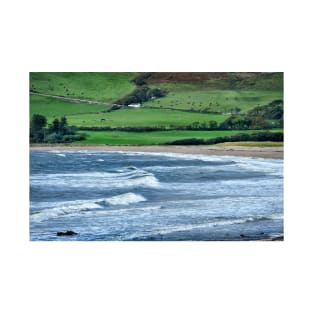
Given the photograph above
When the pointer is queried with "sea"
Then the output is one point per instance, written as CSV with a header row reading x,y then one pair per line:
x,y
141,196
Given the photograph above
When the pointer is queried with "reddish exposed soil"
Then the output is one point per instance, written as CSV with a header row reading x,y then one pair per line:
x,y
162,77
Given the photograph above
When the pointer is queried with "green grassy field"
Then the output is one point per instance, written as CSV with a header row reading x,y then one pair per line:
x,y
142,117
106,87
152,138
52,108
216,100
221,95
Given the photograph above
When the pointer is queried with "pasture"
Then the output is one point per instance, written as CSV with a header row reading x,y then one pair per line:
x,y
106,87
223,101
55,108
140,117
153,138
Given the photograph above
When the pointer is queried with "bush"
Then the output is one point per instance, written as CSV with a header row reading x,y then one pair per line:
x,y
273,110
141,94
54,138
261,136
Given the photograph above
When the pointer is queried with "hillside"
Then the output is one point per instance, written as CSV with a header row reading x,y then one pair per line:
x,y
216,92
106,87
169,101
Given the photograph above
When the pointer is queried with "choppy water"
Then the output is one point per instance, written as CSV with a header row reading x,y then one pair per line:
x,y
151,196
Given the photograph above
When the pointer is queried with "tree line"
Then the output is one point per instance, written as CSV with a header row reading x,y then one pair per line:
x,y
260,136
56,132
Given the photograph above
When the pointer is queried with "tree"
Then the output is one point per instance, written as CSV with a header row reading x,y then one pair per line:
x,y
54,128
63,124
38,122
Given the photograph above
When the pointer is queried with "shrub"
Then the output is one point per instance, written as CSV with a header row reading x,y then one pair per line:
x,y
261,136
141,94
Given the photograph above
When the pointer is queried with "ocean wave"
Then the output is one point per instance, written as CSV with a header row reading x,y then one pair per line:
x,y
189,227
262,165
64,208
125,198
127,177
135,210
56,209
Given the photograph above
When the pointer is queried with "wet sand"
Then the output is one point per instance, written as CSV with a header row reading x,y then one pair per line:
x,y
254,152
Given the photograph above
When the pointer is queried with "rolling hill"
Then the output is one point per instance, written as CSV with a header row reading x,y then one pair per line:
x,y
182,101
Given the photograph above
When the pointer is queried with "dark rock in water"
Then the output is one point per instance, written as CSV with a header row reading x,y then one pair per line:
x,y
243,236
66,233
262,233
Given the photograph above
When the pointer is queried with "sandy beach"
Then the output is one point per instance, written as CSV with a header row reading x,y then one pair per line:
x,y
254,152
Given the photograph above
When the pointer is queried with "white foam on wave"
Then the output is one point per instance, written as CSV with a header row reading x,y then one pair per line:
x,y
125,198
274,167
61,155
129,177
56,209
134,211
63,208
175,155
100,160
54,151
188,227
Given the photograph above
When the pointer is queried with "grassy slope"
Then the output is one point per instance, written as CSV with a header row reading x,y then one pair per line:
x,y
147,138
52,108
220,94
216,100
106,87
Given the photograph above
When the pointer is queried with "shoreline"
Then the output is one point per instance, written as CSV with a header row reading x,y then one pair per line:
x,y
240,151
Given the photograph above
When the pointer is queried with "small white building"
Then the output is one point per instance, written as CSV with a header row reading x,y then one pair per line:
x,y
135,105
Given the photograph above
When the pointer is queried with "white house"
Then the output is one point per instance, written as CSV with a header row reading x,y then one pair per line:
x,y
135,105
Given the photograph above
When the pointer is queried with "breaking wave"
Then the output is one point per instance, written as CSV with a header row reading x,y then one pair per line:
x,y
125,198
56,209
128,177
